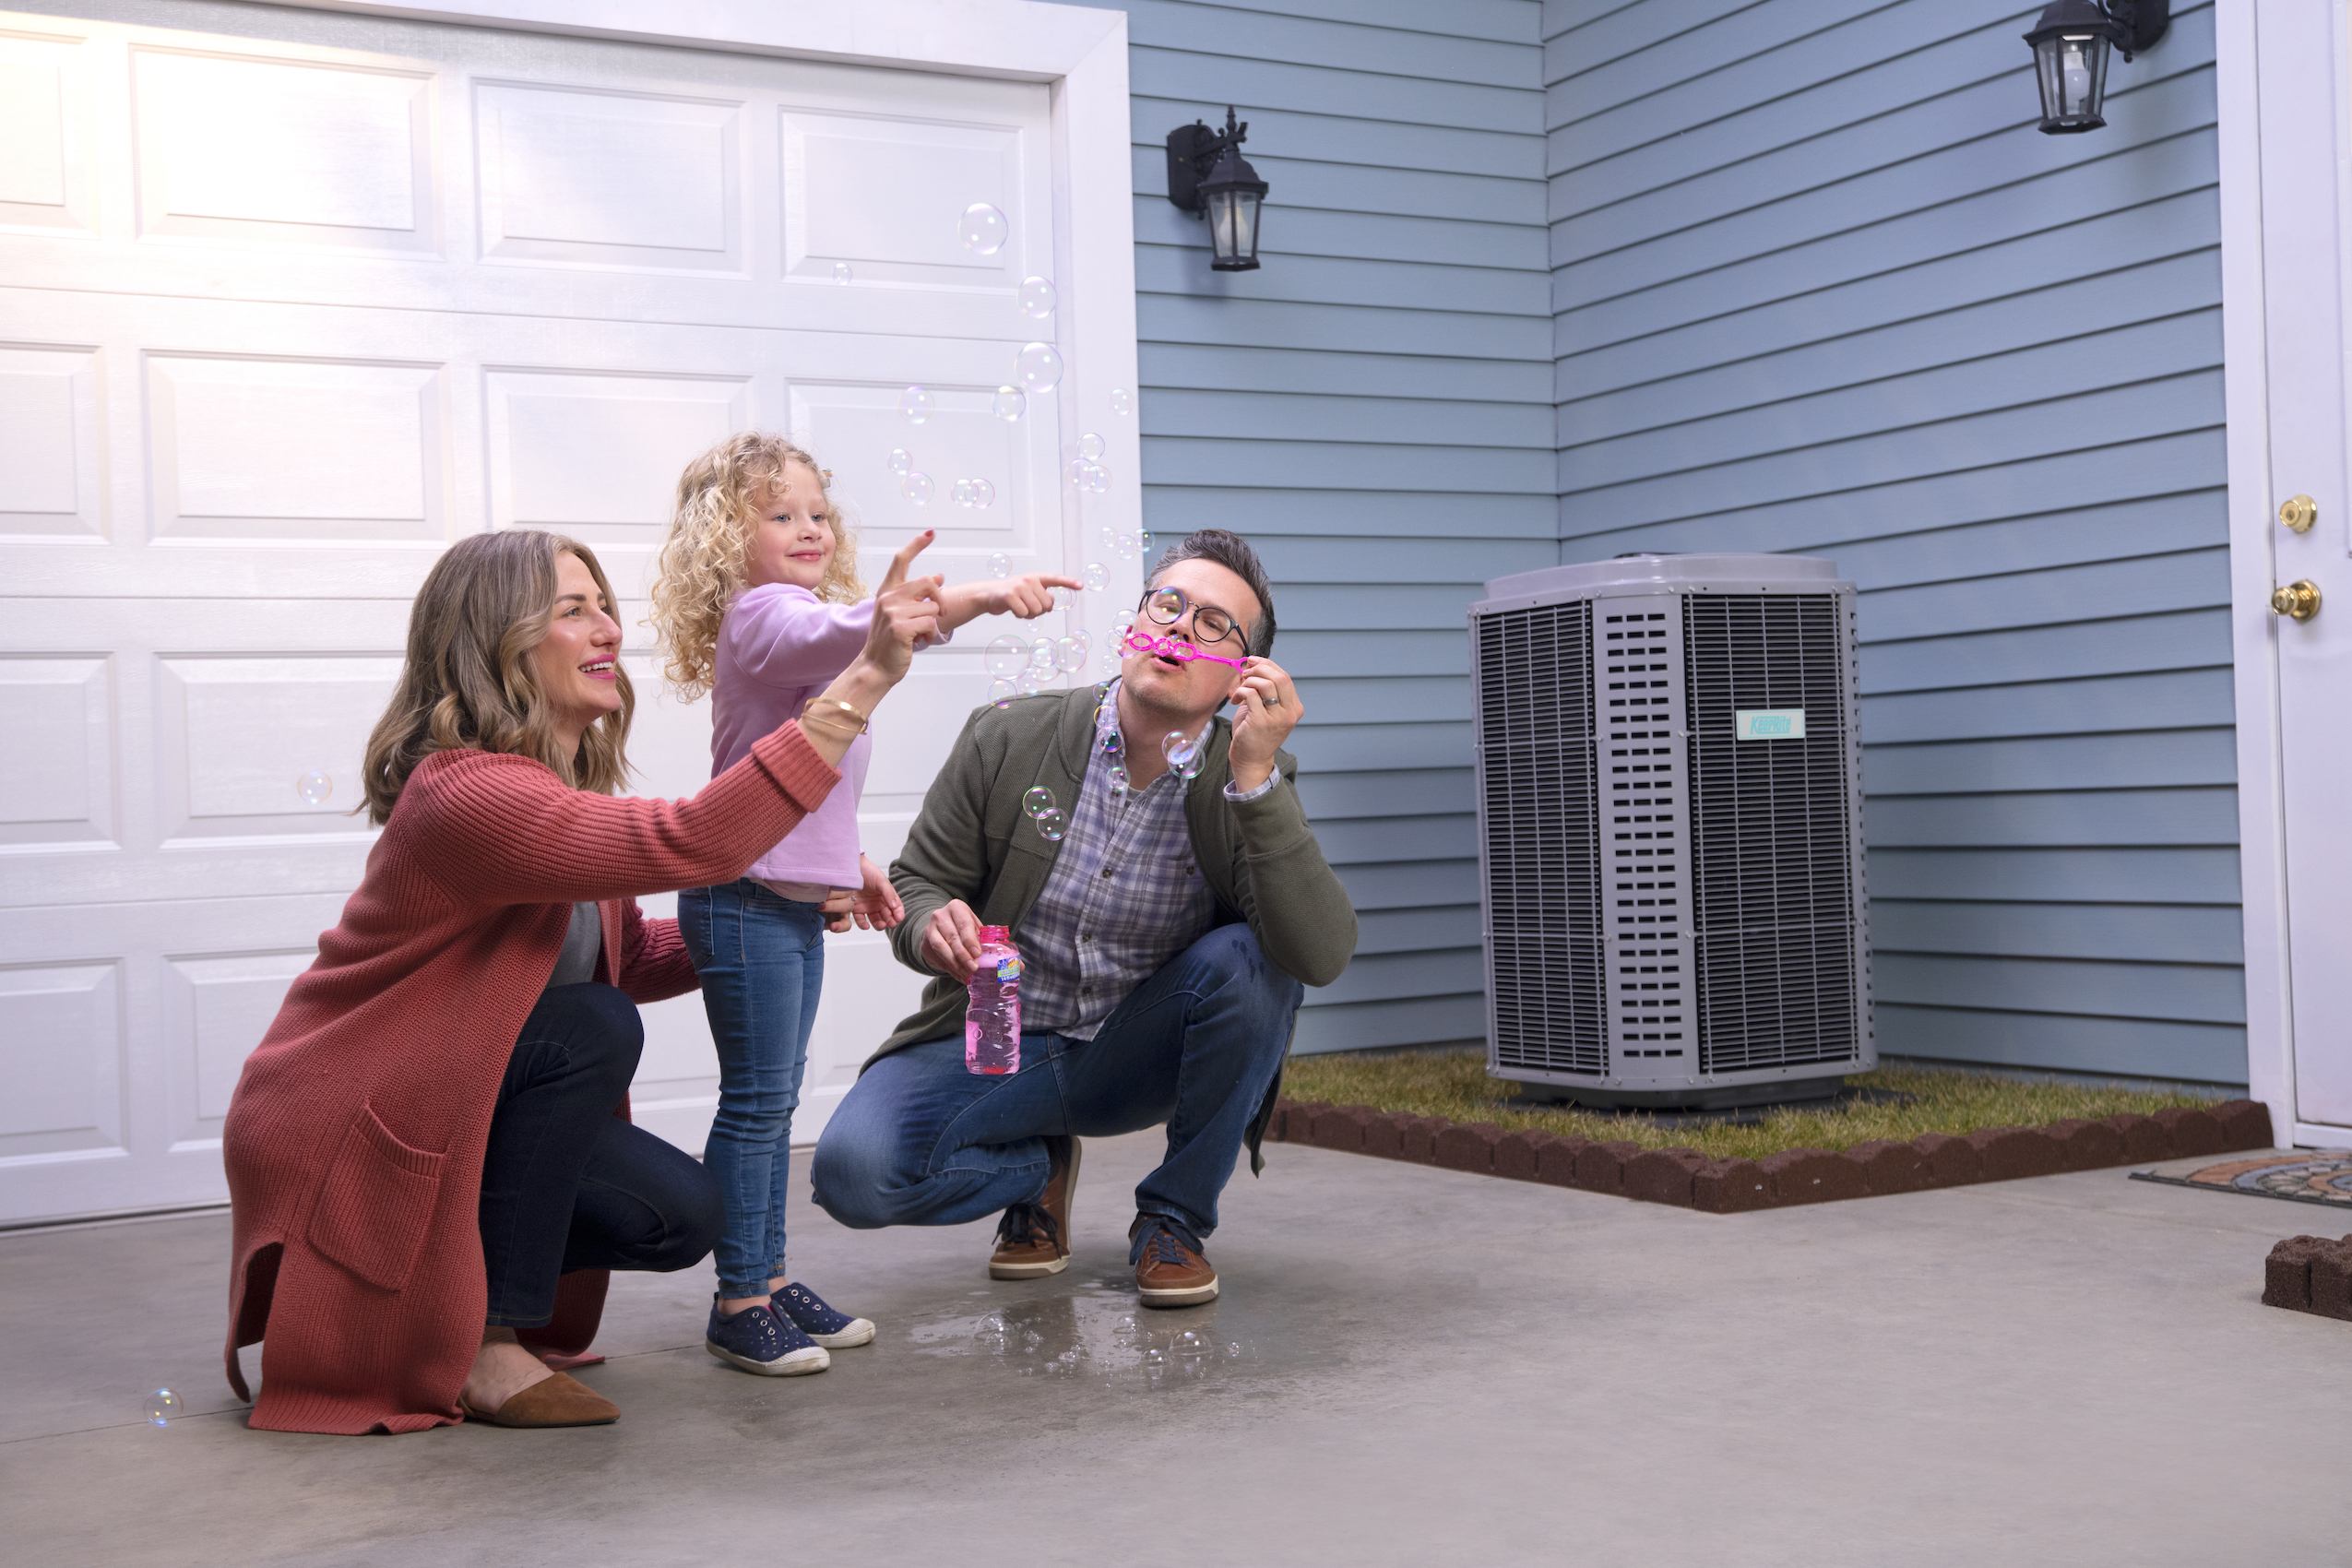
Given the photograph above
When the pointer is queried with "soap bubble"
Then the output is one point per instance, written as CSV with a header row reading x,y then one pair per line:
x,y
1070,654
842,272
1042,659
1036,297
1051,826
901,460
982,229
1122,621
1090,446
961,491
162,1405
914,405
1118,779
315,786
1177,747
1085,642
1000,565
1010,403
1095,575
1098,479
1039,800
1122,400
1075,470
916,487
1125,545
1008,655
1142,538
1108,740
983,494
1040,367
1029,683
1001,693
1107,534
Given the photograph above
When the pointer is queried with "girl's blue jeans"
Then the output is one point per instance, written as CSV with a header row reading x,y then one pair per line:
x,y
761,958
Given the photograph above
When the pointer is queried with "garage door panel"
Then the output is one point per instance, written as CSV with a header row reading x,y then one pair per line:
x,y
570,176
52,463
888,198
56,772
597,456
45,169
256,151
296,450
61,1049
856,429
267,746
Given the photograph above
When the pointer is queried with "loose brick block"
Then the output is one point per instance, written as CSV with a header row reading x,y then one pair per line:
x,y
1949,1161
1731,1186
2331,1279
2085,1146
1385,1135
1812,1176
2145,1139
1889,1168
2192,1131
1600,1167
1556,1162
2286,1273
1417,1139
2245,1123
2011,1153
1468,1146
1662,1175
1342,1127
1516,1154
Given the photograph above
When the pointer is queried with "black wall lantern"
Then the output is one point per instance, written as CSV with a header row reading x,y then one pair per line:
x,y
2070,45
1207,173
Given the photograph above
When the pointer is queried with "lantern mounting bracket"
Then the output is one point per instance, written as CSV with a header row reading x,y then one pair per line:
x,y
1192,151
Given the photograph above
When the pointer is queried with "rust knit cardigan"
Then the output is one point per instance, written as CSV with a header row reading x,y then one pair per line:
x,y
354,1142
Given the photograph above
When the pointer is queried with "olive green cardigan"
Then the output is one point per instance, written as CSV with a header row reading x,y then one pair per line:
x,y
974,841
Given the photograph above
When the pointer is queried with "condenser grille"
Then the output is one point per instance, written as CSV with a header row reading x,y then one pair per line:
x,y
1542,856
1772,836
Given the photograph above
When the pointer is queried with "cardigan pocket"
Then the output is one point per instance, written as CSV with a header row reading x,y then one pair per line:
x,y
377,1203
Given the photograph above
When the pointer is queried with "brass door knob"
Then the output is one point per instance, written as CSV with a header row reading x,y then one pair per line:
x,y
2299,513
2296,600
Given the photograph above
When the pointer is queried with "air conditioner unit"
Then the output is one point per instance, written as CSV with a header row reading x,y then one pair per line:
x,y
1670,831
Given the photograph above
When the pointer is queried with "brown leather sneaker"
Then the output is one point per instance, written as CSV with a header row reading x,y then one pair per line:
x,y
1170,1273
1033,1240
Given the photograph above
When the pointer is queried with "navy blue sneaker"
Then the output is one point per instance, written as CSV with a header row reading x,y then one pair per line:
x,y
759,1341
805,1310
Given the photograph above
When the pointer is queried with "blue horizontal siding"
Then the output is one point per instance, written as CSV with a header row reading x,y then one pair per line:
x,y
1818,286
1374,410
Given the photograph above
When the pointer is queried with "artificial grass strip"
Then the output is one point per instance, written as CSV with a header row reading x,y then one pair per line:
x,y
1453,1084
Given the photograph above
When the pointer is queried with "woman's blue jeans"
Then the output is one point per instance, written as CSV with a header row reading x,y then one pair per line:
x,y
761,958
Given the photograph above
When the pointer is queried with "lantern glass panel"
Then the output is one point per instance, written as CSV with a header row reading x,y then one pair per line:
x,y
1233,229
2072,67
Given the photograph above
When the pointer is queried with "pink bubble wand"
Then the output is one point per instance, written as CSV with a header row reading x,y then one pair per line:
x,y
1168,648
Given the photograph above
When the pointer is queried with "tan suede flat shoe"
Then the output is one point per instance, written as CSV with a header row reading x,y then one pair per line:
x,y
558,1400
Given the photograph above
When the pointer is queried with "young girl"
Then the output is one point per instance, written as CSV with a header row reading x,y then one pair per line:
x,y
759,603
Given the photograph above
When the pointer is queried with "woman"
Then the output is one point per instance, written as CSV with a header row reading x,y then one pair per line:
x,y
425,1142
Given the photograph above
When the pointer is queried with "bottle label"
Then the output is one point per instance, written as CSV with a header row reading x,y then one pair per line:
x,y
1009,969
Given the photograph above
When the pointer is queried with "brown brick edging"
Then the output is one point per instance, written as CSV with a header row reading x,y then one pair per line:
x,y
1688,1179
2310,1274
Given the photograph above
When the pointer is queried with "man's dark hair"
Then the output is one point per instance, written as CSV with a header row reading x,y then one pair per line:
x,y
1232,551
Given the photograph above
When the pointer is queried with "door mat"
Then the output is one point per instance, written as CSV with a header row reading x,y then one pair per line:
x,y
1687,1179
2299,1175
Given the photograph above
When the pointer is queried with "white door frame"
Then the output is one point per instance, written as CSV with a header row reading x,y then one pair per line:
x,y
2262,824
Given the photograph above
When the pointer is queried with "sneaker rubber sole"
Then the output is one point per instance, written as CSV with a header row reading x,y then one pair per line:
x,y
860,1332
792,1363
1192,1296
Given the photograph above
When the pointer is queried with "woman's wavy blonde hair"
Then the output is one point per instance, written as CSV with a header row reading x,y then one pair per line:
x,y
466,684
705,558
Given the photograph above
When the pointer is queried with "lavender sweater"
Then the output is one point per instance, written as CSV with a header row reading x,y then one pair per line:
x,y
778,646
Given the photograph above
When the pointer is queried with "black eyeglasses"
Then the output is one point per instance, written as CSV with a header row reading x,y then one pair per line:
x,y
1210,624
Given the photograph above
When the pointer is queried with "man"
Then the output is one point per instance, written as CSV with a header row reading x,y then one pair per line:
x,y
1164,942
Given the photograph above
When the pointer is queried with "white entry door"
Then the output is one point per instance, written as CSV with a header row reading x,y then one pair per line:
x,y
293,299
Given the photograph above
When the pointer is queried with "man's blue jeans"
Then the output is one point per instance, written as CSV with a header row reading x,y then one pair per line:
x,y
920,1140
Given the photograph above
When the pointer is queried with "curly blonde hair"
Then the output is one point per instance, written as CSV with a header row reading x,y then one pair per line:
x,y
706,557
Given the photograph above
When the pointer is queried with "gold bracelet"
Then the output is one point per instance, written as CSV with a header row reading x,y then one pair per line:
x,y
830,703
823,724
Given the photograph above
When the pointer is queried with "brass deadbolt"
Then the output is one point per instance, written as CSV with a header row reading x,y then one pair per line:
x,y
2296,600
2299,513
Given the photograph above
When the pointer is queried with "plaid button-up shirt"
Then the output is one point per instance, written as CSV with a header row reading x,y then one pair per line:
x,y
1124,896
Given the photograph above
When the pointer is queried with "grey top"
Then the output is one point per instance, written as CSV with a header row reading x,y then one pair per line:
x,y
582,943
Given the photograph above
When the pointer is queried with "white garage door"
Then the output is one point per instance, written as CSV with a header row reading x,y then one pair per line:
x,y
295,299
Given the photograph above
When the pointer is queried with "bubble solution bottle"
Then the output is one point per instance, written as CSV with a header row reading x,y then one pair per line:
x,y
993,1005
